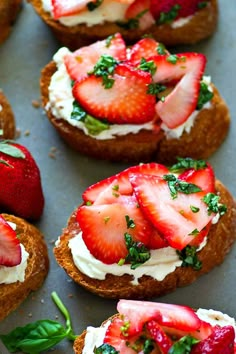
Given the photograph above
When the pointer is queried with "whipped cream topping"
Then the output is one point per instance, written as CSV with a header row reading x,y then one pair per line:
x,y
10,275
95,335
162,262
61,105
110,11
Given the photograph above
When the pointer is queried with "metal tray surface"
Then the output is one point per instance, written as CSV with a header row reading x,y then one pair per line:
x,y
65,174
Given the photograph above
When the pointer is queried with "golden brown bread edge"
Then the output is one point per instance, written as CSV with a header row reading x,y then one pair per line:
x,y
8,12
207,134
200,26
7,119
12,295
220,239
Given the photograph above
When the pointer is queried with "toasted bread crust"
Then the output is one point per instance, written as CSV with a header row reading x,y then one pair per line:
x,y
200,26
8,12
7,120
207,134
220,239
12,295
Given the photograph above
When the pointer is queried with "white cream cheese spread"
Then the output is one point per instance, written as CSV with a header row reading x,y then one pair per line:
x,y
61,105
10,275
94,336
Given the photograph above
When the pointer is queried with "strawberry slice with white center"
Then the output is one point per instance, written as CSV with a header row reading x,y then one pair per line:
x,y
61,8
188,68
104,226
175,316
123,184
83,60
139,10
126,102
10,251
145,48
178,219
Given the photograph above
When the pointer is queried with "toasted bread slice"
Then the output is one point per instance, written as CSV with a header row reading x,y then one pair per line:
x,y
7,120
220,239
8,13
201,25
12,295
207,134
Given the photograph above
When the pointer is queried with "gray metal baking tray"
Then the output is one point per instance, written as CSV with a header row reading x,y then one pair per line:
x,y
65,174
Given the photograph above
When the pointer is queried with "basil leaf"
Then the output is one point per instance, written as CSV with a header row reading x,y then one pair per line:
x,y
11,150
177,185
187,163
205,95
34,337
183,346
189,257
138,253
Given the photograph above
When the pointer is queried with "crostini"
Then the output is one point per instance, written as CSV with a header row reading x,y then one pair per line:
x,y
148,230
134,104
174,22
9,10
7,119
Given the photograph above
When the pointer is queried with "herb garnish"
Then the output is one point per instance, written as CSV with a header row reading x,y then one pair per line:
x,y
161,49
105,349
176,185
94,5
155,89
132,23
205,95
148,66
104,68
170,16
213,205
93,125
183,345
189,257
40,335
187,163
202,4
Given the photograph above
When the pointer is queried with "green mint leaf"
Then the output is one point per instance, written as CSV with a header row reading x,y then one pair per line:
x,y
104,68
187,163
205,95
132,23
213,205
137,252
148,66
183,345
109,40
194,209
170,16
78,113
177,185
195,232
93,5
189,257
11,150
161,49
105,349
129,222
155,89
172,58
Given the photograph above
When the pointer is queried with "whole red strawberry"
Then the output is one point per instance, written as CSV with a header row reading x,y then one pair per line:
x,y
20,183
169,10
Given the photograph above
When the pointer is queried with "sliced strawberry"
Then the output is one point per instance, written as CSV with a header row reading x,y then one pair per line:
x,y
103,228
204,178
176,219
115,338
188,68
124,186
169,315
62,8
145,48
157,333
139,10
186,7
220,341
126,102
83,60
10,250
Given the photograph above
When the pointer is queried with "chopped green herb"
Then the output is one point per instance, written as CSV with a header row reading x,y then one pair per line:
x,y
183,345
187,163
109,40
116,195
202,4
195,232
106,219
143,345
88,203
129,222
116,187
148,66
170,16
189,257
194,209
132,23
104,68
137,252
125,328
105,349
94,5
155,89
205,95
172,58
176,185
161,49
213,205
